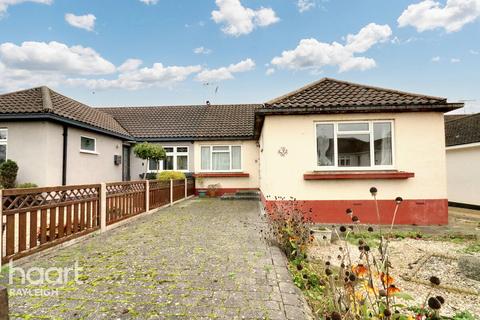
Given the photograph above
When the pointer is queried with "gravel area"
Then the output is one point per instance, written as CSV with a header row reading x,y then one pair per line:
x,y
406,255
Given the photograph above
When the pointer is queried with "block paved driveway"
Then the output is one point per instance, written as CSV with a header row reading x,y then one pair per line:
x,y
200,259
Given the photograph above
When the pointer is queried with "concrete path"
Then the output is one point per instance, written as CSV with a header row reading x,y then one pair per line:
x,y
201,259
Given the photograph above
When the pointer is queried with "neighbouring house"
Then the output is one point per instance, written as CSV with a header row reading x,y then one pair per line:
x,y
325,145
462,135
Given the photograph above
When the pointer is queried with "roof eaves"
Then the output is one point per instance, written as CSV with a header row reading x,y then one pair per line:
x,y
57,118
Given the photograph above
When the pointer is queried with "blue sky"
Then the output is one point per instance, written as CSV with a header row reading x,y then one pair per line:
x,y
142,52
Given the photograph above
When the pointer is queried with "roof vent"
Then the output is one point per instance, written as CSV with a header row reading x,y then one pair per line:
x,y
208,103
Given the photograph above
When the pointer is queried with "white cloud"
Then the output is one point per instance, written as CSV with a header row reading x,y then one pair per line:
x,y
305,5
429,15
54,56
475,52
270,71
239,20
138,78
202,50
225,73
313,54
4,4
455,60
149,2
86,22
436,59
130,65
54,63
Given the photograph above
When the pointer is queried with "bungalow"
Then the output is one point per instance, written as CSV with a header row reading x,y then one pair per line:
x,y
462,135
325,144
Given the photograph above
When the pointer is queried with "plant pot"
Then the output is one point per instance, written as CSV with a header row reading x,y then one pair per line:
x,y
322,235
202,194
212,193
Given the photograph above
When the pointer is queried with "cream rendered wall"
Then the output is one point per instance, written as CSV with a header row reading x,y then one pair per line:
x,y
36,147
250,164
419,148
137,165
463,174
84,167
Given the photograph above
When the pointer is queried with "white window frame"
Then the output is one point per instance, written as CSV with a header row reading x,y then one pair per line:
x,y
4,142
174,154
372,166
229,151
94,143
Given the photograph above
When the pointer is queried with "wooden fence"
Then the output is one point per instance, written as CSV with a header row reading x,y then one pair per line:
x,y
35,219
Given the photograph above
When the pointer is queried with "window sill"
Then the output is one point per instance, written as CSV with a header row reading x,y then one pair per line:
x,y
221,175
357,175
89,152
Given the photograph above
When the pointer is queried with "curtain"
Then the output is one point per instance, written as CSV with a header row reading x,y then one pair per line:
x,y
323,143
383,143
220,161
205,158
236,158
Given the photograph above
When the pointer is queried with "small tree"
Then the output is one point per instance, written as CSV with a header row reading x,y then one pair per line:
x,y
8,174
149,151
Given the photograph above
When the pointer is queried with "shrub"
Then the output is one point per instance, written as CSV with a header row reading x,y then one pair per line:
x,y
8,174
149,151
27,185
167,175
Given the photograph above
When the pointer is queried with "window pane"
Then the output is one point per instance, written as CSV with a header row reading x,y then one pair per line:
x,y
205,158
168,149
221,161
325,145
182,149
3,153
353,126
236,158
382,132
182,163
220,148
168,163
152,165
354,150
87,144
3,134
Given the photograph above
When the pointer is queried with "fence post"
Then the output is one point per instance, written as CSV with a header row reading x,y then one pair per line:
x,y
1,229
103,207
186,190
171,192
3,303
147,195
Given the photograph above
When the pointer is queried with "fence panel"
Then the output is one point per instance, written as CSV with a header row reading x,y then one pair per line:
x,y
124,200
159,193
37,218
178,189
190,187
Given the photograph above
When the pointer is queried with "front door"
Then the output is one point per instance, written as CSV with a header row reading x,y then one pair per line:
x,y
126,163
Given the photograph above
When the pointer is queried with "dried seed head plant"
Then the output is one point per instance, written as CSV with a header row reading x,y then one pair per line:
x,y
367,289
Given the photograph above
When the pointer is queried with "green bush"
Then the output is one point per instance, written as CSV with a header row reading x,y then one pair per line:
x,y
27,185
8,174
167,175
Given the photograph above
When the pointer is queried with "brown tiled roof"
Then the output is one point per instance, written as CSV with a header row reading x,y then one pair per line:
x,y
45,101
464,130
190,122
451,117
330,95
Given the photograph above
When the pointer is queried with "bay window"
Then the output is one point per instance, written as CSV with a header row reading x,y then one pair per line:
x,y
176,159
221,158
354,145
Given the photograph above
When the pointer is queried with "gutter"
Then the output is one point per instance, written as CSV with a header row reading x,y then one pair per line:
x,y
463,146
267,109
